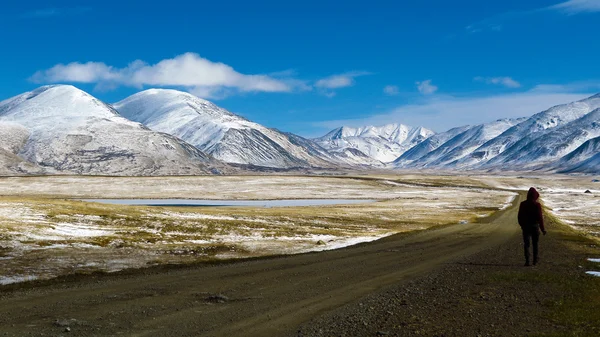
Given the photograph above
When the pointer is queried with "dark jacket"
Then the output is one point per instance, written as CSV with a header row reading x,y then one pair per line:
x,y
530,211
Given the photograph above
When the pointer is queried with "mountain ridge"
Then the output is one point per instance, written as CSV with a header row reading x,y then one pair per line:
x,y
61,129
223,134
383,143
69,130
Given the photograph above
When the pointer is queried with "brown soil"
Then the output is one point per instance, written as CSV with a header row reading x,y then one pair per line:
x,y
458,280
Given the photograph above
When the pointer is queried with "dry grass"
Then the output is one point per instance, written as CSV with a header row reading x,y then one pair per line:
x,y
46,235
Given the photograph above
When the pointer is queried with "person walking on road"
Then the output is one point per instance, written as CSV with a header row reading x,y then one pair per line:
x,y
531,221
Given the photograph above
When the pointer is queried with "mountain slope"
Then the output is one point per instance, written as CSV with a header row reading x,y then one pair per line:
x,y
12,139
590,165
428,145
66,129
577,160
463,144
384,143
219,132
554,143
492,154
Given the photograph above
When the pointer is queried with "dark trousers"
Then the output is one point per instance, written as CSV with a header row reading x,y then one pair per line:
x,y
531,235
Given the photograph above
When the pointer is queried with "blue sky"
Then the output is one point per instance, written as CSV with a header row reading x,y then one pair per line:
x,y
309,66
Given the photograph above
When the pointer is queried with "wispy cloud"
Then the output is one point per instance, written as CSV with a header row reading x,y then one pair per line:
x,y
189,71
426,88
496,23
577,6
504,81
581,86
571,7
391,90
328,84
54,12
441,113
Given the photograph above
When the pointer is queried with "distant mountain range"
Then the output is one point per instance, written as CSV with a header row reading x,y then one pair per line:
x,y
384,143
61,129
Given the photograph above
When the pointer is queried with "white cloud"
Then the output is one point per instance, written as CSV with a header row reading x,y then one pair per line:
x,y
504,81
334,82
426,88
391,90
340,80
328,84
441,113
89,72
190,71
578,6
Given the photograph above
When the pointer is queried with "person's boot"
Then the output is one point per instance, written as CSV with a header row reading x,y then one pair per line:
x,y
535,261
527,263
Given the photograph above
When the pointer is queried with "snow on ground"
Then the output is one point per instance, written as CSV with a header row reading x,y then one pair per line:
x,y
575,207
508,202
564,195
42,237
16,279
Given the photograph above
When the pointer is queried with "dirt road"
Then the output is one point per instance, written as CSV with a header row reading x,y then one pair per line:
x,y
263,297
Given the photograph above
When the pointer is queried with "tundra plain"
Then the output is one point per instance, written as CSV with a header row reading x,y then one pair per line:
x,y
47,231
447,243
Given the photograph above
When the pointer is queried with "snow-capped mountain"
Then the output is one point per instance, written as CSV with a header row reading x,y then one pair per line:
x,y
64,129
428,145
61,129
511,144
216,131
552,144
384,143
464,143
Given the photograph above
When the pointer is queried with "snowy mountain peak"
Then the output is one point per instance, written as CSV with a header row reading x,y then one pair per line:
x,y
384,143
67,129
44,103
173,95
214,130
153,104
393,132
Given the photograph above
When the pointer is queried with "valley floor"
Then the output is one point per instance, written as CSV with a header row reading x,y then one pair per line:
x,y
448,278
44,235
458,280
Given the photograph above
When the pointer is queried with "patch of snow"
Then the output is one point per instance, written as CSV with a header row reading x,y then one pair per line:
x,y
77,230
4,280
508,202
